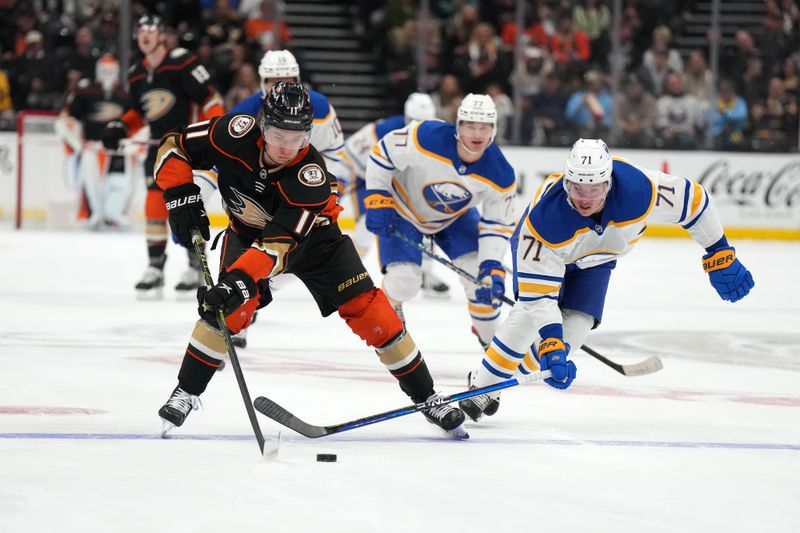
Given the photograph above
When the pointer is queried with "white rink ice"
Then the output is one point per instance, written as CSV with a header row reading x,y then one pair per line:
x,y
711,443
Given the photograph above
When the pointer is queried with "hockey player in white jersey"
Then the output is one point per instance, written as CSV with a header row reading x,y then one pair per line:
x,y
428,178
565,247
418,106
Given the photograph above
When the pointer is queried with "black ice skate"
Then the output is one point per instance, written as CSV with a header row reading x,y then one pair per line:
x,y
447,417
174,412
480,405
151,286
433,287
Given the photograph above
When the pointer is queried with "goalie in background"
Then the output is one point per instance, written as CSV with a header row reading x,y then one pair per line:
x,y
565,247
104,179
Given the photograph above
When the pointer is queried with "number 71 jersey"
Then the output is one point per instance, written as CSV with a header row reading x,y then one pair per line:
x,y
419,165
552,235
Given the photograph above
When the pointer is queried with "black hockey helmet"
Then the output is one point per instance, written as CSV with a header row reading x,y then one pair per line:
x,y
150,23
288,107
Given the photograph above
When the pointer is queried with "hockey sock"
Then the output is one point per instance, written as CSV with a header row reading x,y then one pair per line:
x,y
203,356
404,361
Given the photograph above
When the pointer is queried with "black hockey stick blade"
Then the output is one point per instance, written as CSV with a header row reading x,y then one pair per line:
x,y
280,415
648,366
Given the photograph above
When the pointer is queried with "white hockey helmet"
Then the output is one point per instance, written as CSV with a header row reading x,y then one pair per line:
x,y
278,64
477,108
106,72
589,162
419,106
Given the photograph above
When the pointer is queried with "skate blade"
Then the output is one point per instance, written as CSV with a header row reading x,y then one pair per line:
x,y
166,427
458,433
150,294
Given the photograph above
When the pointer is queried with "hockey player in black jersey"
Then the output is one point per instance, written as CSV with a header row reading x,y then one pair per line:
x,y
283,210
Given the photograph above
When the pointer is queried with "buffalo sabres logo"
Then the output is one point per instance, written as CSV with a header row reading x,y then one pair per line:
x,y
447,196
311,175
157,103
240,125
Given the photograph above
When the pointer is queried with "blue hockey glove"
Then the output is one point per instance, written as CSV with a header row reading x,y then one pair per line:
x,y
493,276
728,276
553,356
233,289
381,216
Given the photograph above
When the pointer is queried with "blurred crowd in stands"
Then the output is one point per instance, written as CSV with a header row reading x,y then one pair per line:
x,y
662,97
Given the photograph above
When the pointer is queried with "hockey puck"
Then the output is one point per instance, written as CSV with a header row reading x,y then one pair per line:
x,y
326,457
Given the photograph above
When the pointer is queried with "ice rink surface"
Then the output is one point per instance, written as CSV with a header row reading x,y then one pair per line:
x,y
711,443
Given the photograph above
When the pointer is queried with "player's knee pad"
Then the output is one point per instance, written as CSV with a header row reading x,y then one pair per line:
x,y
468,263
402,281
371,317
577,326
154,207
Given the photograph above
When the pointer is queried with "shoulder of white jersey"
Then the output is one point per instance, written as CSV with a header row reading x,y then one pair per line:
x,y
551,219
322,108
385,125
632,194
251,105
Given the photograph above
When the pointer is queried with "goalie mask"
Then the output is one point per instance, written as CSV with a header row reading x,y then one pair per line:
x,y
106,72
587,175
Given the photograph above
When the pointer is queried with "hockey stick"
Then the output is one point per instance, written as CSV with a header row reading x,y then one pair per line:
x,y
280,415
648,366
197,241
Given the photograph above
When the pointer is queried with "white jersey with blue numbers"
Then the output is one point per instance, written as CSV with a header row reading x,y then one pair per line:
x,y
326,133
361,142
419,166
553,235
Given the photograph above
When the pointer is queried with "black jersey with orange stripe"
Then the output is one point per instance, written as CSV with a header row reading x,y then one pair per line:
x,y
172,94
263,202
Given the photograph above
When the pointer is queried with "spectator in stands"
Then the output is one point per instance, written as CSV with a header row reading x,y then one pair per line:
x,y
447,98
222,25
662,39
547,118
728,118
107,38
775,120
623,56
569,46
483,61
459,30
594,19
790,76
734,60
775,42
752,86
505,110
655,74
37,76
6,104
680,116
544,28
635,115
25,23
535,65
245,83
590,109
401,61
80,64
698,78
261,29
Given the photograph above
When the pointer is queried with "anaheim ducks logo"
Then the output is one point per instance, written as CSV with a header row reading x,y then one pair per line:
x,y
157,103
106,112
447,196
240,125
311,175
247,210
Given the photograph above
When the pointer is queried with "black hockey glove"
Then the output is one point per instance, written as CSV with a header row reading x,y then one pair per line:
x,y
233,290
114,132
186,212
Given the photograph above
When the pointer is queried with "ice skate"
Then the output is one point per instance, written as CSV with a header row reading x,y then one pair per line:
x,y
477,406
434,287
174,412
447,417
151,286
190,280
